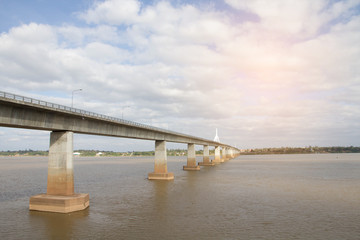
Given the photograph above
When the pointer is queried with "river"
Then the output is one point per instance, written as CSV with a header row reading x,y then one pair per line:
x,y
314,196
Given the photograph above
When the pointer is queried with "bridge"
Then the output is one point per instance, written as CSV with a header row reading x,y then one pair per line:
x,y
62,121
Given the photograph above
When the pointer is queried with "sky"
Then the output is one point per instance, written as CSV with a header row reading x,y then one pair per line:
x,y
264,73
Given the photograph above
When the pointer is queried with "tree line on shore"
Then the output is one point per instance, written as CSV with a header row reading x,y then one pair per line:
x,y
301,150
183,152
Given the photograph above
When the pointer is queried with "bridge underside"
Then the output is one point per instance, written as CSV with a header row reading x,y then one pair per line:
x,y
18,115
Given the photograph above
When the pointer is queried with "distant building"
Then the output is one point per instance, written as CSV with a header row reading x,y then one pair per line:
x,y
76,153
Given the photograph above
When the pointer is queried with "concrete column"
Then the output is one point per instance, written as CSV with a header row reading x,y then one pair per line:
x,y
60,196
232,154
191,159
217,159
228,153
206,158
160,168
60,167
223,155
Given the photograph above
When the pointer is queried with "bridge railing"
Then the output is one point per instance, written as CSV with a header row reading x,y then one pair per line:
x,y
86,113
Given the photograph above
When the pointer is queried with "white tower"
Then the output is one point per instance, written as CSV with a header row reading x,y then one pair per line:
x,y
216,139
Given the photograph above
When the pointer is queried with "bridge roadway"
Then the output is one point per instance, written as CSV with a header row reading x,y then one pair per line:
x,y
24,112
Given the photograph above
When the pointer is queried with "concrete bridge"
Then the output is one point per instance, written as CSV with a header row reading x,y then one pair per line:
x,y
62,121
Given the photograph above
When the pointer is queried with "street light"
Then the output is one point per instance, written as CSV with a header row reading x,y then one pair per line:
x,y
72,96
122,111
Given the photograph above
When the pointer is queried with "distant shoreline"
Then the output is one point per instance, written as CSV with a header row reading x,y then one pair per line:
x,y
183,152
300,150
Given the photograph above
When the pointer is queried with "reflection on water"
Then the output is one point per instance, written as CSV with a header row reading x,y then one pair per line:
x,y
250,197
56,226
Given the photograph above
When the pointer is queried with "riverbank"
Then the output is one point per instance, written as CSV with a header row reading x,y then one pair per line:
x,y
183,152
300,150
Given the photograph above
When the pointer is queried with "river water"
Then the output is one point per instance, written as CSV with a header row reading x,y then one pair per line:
x,y
313,196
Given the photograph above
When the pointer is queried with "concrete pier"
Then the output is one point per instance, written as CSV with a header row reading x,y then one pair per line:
x,y
191,159
228,154
60,196
232,155
206,158
224,154
160,168
217,159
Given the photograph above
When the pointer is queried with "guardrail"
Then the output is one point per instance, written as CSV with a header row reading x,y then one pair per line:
x,y
87,113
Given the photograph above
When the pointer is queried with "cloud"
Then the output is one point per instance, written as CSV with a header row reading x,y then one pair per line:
x,y
300,19
23,48
73,36
113,12
290,75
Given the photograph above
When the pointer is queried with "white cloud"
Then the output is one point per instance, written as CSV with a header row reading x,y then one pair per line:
x,y
33,34
25,53
294,19
77,36
193,69
106,53
113,12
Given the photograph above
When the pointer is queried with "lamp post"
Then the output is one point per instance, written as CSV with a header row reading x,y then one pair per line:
x,y
72,96
122,111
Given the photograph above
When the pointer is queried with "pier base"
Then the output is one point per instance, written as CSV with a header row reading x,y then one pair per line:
x,y
59,204
191,168
161,176
206,164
